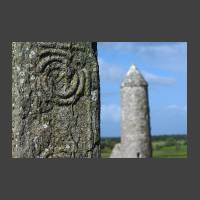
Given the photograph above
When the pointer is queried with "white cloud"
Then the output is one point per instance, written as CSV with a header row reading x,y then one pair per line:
x,y
110,72
161,80
172,54
174,107
161,49
110,112
147,47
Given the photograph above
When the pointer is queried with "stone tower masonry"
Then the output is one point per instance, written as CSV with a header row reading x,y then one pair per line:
x,y
135,118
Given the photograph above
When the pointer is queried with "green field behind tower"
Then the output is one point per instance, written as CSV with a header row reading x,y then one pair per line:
x,y
166,146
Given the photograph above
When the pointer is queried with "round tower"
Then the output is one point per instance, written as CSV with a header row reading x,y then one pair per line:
x,y
135,117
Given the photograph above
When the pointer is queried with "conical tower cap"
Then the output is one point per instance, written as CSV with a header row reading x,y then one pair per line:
x,y
134,78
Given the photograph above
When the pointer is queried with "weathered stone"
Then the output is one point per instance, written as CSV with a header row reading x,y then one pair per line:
x,y
116,152
55,100
135,118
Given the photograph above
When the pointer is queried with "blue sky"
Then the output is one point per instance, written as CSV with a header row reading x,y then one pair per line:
x,y
164,66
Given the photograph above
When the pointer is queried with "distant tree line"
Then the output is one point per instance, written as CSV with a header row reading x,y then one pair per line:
x,y
163,140
154,137
167,137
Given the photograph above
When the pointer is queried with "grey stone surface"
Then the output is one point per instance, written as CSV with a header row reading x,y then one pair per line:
x,y
116,152
55,100
135,118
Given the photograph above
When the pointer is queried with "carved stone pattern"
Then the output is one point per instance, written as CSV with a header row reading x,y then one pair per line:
x,y
55,101
61,83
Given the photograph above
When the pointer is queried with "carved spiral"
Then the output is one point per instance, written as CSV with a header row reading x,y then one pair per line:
x,y
60,80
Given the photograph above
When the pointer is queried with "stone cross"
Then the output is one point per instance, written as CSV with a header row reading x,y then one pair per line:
x,y
55,100
135,118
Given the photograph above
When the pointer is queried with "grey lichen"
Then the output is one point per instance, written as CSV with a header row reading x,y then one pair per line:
x,y
54,112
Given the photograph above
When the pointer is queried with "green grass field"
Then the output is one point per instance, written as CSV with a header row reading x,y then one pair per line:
x,y
173,146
